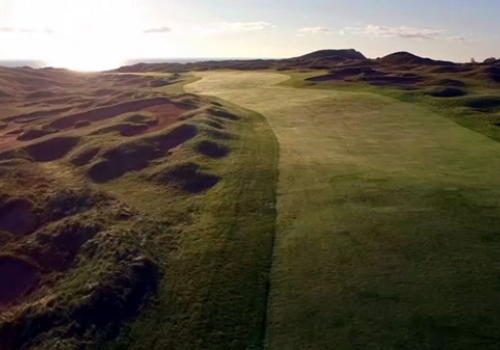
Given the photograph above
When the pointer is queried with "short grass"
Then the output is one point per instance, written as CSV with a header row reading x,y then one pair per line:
x,y
479,110
387,220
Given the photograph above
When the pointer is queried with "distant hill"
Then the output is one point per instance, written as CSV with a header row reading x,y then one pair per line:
x,y
400,58
345,54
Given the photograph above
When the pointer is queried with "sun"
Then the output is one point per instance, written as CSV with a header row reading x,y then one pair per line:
x,y
86,61
92,35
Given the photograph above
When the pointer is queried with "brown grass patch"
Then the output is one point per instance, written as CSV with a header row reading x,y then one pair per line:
x,y
8,142
103,113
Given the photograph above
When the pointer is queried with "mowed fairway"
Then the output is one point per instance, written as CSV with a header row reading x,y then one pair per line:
x,y
388,228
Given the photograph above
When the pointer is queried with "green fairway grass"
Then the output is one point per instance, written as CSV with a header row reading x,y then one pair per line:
x,y
387,220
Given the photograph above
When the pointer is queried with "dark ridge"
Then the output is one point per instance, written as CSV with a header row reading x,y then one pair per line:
x,y
451,82
125,129
214,124
493,73
40,94
38,114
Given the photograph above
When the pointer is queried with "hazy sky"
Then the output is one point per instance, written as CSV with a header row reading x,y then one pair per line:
x,y
97,30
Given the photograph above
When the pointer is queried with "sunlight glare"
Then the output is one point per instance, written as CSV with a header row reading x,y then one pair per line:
x,y
94,35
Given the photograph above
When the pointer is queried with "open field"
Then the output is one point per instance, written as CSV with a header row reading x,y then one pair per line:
x,y
387,220
344,203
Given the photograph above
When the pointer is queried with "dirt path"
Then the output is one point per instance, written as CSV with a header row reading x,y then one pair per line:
x,y
386,233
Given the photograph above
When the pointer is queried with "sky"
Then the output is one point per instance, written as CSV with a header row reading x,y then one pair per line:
x,y
103,32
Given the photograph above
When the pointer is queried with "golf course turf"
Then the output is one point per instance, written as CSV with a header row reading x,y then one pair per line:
x,y
387,220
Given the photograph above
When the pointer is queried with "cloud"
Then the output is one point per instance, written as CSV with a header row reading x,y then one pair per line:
x,y
315,30
158,30
245,26
207,31
456,38
228,27
403,32
12,30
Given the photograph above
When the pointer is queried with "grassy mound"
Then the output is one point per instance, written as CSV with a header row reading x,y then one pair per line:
x,y
85,156
220,113
136,155
76,263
